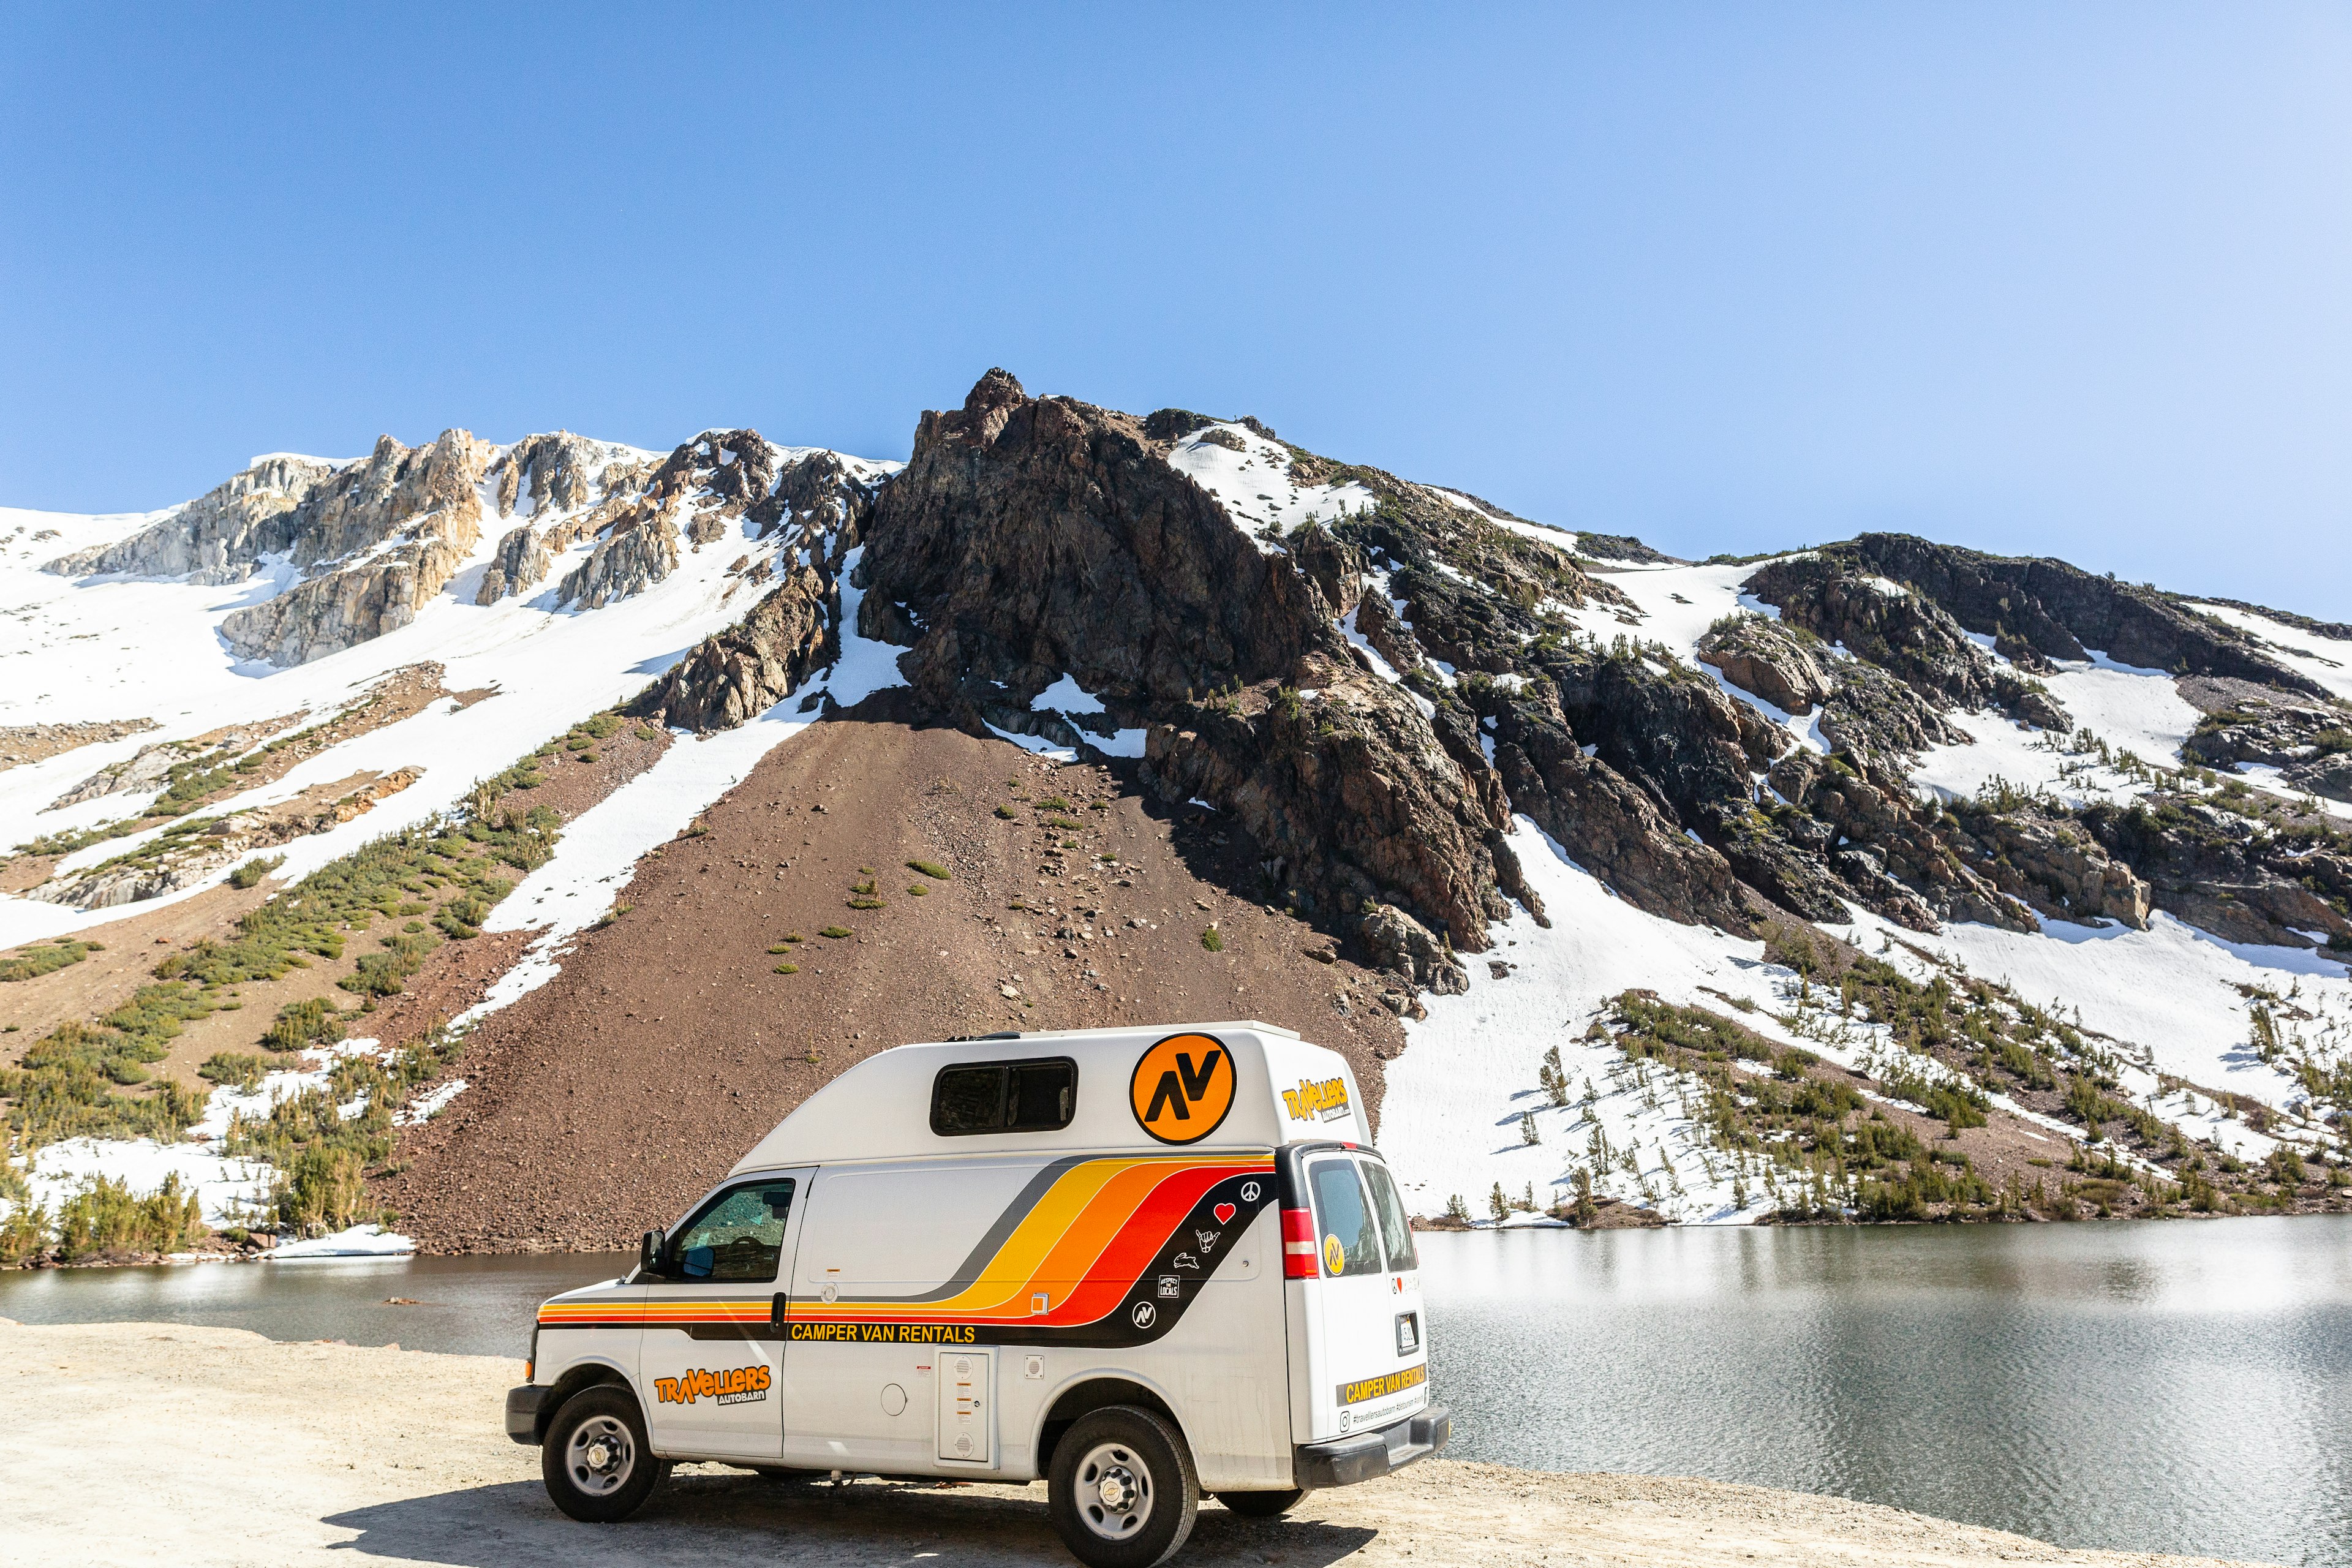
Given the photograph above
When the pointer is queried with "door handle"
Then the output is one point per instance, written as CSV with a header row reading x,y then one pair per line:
x,y
776,1311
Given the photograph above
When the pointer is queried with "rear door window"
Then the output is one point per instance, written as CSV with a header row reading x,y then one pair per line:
x,y
1390,1209
1345,1232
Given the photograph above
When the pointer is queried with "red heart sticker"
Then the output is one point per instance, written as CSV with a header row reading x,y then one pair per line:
x,y
1224,1212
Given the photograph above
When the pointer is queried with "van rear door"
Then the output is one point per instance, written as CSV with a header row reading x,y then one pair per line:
x,y
1360,1352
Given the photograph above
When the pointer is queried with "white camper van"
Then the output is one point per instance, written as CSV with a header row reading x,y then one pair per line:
x,y
1138,1264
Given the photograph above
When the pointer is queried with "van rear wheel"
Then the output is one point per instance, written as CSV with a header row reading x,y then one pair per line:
x,y
1262,1505
596,1462
1122,1492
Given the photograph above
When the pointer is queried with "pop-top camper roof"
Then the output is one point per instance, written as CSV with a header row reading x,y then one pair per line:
x,y
1157,1088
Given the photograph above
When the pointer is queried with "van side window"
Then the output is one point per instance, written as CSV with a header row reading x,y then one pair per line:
x,y
1345,1233
1390,1207
1039,1096
736,1238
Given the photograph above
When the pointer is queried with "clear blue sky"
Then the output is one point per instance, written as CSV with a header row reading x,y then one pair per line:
x,y
2070,279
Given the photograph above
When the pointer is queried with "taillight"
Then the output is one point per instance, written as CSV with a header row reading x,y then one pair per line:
x,y
1298,1245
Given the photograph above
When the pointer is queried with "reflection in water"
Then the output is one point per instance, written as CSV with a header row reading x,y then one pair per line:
x,y
471,1306
2185,1387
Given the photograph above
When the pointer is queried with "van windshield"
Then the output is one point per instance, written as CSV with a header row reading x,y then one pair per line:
x,y
1347,1236
1390,1207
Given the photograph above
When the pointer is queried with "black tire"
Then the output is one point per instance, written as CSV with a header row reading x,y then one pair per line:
x,y
596,1462
1122,1448
1262,1505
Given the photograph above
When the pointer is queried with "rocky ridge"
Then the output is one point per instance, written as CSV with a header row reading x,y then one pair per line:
x,y
1373,693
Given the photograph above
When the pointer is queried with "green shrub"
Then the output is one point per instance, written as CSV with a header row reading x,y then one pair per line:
x,y
24,1232
26,962
103,1219
312,1022
1007,812
835,933
866,903
250,874
1212,940
788,969
237,1070
936,872
324,1188
919,890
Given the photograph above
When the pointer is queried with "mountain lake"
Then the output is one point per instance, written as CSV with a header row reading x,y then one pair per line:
x,y
2181,1386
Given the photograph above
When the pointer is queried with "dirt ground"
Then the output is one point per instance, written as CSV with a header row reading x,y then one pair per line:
x,y
610,1098
153,1443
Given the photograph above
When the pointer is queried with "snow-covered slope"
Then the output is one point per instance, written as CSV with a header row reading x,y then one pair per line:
x,y
114,648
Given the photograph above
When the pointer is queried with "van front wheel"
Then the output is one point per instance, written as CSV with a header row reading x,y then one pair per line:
x,y
596,1463
1122,1492
1262,1505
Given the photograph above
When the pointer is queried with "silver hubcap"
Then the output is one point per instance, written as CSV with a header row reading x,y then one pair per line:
x,y
600,1455
1114,1491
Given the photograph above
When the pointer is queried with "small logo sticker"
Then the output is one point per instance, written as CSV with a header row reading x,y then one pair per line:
x,y
1185,1260
1335,1257
1170,1287
728,1385
1144,1315
1225,1212
1249,1192
1324,1102
1182,1088
1209,1240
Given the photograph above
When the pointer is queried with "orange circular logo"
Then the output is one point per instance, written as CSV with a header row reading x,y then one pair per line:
x,y
1183,1087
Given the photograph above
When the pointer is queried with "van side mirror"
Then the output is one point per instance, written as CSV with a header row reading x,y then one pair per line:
x,y
649,1251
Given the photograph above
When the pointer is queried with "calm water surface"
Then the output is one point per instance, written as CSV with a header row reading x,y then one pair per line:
x,y
2182,1387
2178,1387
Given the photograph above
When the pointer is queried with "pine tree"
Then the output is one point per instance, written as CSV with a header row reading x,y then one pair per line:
x,y
1528,1133
1496,1202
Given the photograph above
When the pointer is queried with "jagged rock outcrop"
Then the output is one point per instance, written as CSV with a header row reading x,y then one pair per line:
x,y
2048,609
739,674
2045,858
554,472
2309,743
632,554
520,565
1877,719
2224,873
816,511
219,537
1769,660
1030,538
1844,598
389,533
1605,823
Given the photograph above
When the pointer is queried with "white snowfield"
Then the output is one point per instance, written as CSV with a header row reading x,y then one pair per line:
x,y
1255,484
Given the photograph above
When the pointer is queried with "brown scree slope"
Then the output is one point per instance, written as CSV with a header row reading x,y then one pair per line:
x,y
610,1098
